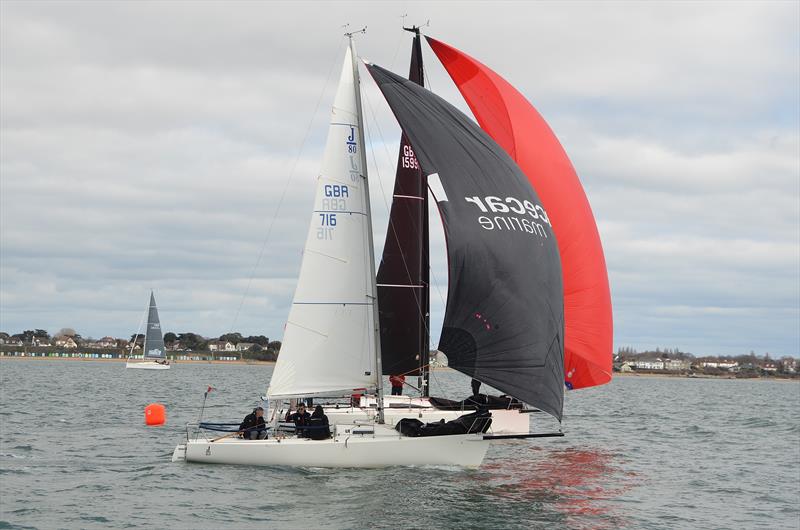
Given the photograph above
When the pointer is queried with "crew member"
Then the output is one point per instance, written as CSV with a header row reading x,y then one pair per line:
x,y
301,419
319,427
397,382
253,426
476,387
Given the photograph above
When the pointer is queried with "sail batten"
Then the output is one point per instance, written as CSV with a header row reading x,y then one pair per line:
x,y
502,325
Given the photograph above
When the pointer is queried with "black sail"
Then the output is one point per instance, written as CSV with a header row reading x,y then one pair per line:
x,y
403,272
504,322
153,339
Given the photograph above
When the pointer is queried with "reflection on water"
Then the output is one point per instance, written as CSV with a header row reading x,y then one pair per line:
x,y
578,483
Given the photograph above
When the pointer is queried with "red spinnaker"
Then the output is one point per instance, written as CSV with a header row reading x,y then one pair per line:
x,y
513,123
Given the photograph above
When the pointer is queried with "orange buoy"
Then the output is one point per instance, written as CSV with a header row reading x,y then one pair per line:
x,y
155,414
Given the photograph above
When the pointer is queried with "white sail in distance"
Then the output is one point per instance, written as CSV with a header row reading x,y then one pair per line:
x,y
329,341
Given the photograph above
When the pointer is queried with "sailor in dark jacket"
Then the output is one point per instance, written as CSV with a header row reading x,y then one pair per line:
x,y
320,427
253,426
301,419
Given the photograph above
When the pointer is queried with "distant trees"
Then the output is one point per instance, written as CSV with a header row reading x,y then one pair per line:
x,y
626,352
262,347
192,341
233,338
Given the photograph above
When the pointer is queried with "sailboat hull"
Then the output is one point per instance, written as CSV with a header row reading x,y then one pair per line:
x,y
510,421
382,448
147,365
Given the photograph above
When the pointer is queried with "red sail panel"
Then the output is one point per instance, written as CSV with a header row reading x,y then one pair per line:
x,y
513,123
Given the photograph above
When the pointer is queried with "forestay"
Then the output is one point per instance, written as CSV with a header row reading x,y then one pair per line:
x,y
329,344
504,318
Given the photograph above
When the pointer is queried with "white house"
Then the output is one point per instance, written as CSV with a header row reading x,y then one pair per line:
x,y
221,345
245,346
722,365
676,365
66,342
648,364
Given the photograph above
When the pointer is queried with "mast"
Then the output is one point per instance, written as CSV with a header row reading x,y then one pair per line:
x,y
373,287
418,76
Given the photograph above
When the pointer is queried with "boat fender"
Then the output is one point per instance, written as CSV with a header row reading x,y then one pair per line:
x,y
155,414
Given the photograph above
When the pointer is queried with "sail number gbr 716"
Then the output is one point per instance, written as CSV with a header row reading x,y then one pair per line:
x,y
335,200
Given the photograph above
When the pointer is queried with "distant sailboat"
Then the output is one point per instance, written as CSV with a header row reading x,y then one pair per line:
x,y
154,352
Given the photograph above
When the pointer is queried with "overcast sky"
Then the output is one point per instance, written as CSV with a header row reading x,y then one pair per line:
x,y
147,145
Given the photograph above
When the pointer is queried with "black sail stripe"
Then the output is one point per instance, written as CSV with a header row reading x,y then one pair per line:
x,y
403,312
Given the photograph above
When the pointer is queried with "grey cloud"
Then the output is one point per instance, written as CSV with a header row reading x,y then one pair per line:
x,y
147,145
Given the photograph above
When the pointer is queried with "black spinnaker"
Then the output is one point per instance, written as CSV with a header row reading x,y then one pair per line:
x,y
504,322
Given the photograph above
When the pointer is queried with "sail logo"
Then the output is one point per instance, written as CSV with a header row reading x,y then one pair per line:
x,y
352,149
351,141
155,325
154,351
514,215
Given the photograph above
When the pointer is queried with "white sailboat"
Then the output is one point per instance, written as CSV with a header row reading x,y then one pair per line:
x,y
331,344
504,319
154,352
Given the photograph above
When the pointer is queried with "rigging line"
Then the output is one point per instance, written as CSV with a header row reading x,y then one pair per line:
x,y
285,189
399,42
386,205
135,337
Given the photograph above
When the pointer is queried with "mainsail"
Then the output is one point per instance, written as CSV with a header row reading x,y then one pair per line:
x,y
504,318
329,342
153,339
513,123
403,275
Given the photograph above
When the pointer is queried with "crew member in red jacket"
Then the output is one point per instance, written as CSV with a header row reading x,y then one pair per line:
x,y
397,382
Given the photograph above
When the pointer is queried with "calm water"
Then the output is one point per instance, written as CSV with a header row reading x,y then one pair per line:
x,y
639,453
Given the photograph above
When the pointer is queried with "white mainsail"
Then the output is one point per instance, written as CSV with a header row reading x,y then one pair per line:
x,y
329,341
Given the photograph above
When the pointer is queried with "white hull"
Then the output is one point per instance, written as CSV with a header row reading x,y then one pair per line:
x,y
146,365
382,448
511,421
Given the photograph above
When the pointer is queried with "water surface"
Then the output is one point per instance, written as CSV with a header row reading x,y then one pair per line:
x,y
639,453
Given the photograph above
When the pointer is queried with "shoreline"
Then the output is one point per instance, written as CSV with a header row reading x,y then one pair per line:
x,y
87,359
705,376
437,368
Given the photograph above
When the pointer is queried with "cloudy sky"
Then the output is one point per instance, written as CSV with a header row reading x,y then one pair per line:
x,y
148,145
